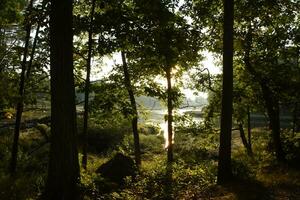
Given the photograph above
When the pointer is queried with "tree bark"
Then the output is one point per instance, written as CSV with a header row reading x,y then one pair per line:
x,y
274,117
63,170
87,88
170,114
244,140
134,121
249,130
19,108
224,165
295,118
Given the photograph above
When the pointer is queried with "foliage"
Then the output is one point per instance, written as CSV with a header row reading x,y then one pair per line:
x,y
157,37
291,144
149,129
196,144
10,11
11,46
30,180
149,144
103,140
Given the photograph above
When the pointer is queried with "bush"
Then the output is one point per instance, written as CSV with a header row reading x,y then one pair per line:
x,y
149,144
194,149
241,169
148,129
164,181
103,140
291,145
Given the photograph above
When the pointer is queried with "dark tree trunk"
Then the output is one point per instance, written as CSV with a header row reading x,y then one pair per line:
x,y
295,118
36,38
249,130
273,113
170,115
224,165
87,89
63,171
134,121
244,139
19,108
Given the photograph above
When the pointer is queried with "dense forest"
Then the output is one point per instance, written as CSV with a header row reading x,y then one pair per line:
x,y
93,101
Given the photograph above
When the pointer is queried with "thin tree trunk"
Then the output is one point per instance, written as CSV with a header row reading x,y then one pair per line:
x,y
295,118
242,135
19,108
224,165
134,121
244,140
170,115
87,89
249,130
273,113
295,114
63,171
36,38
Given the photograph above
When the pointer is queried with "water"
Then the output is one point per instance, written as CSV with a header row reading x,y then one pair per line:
x,y
157,118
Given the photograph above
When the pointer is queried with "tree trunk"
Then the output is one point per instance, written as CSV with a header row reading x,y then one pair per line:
x,y
244,140
36,37
295,118
249,130
134,121
87,88
170,115
63,171
19,108
273,113
224,165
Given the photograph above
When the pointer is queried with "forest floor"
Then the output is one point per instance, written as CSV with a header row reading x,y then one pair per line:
x,y
192,176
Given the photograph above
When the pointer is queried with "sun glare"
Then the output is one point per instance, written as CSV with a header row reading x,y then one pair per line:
x,y
164,128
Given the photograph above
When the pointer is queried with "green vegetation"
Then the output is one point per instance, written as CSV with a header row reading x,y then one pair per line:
x,y
192,175
93,100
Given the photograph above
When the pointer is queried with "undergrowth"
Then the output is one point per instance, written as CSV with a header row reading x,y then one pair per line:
x,y
191,176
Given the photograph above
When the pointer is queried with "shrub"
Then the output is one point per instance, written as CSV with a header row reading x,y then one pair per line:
x,y
103,140
148,129
194,149
149,144
291,145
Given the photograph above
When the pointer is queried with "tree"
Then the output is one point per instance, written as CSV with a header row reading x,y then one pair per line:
x,y
169,44
134,120
87,87
118,21
20,103
266,38
10,11
224,165
26,69
63,171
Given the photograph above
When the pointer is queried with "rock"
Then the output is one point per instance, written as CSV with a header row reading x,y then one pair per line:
x,y
119,167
